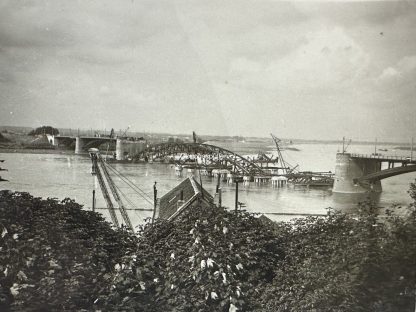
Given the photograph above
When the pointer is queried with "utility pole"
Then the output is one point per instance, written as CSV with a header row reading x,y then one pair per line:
x,y
236,196
237,180
343,145
218,183
411,154
200,178
93,200
154,202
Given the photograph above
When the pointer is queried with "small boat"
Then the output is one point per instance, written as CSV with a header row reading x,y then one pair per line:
x,y
383,149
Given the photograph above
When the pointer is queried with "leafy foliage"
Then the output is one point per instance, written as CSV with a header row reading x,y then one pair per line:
x,y
361,262
209,259
347,263
44,130
54,255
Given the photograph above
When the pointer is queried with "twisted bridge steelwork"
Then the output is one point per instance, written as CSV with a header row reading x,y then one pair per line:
x,y
206,156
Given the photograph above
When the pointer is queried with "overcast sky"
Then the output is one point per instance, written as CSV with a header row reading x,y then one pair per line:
x,y
314,70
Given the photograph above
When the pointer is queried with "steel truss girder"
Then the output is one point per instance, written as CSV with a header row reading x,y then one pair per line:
x,y
241,164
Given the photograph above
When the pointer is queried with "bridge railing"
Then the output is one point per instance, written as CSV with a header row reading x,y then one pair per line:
x,y
400,158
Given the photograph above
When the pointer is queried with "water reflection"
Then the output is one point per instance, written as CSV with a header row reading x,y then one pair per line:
x,y
349,202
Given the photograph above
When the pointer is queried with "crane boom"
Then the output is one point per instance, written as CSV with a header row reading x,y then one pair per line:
x,y
282,161
98,166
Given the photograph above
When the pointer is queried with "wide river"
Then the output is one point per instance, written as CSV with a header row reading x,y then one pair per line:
x,y
68,175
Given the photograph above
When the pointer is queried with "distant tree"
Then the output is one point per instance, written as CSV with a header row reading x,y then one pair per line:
x,y
44,130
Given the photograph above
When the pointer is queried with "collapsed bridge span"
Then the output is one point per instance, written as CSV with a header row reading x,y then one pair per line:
x,y
203,155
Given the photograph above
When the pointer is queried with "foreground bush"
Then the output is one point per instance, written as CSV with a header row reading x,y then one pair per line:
x,y
346,263
213,260
54,256
208,259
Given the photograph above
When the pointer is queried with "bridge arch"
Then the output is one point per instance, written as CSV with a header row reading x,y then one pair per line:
x,y
358,173
386,173
212,156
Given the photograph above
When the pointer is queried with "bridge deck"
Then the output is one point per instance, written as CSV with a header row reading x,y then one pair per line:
x,y
387,173
385,158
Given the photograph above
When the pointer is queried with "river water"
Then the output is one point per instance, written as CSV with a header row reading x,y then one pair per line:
x,y
68,175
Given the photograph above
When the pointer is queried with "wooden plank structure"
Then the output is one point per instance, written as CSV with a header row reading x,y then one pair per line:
x,y
182,197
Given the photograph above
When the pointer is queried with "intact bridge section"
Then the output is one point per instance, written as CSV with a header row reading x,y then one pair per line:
x,y
82,144
125,148
358,173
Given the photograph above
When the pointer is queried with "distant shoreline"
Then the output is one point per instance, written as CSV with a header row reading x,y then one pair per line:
x,y
8,150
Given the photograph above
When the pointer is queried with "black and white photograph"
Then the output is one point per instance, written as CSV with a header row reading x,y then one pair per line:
x,y
207,155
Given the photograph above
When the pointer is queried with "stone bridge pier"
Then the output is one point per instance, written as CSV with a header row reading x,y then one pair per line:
x,y
348,170
79,145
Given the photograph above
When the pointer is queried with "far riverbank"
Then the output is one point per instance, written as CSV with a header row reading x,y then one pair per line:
x,y
35,151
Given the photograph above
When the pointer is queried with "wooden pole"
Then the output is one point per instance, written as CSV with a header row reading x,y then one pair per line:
x,y
411,151
343,145
154,202
200,178
236,196
93,200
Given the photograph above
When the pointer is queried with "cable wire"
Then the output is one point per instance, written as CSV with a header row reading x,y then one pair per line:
x,y
135,188
128,182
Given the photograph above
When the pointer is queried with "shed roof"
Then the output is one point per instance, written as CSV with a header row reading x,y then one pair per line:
x,y
181,197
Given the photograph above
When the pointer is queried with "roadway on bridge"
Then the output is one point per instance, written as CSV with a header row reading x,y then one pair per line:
x,y
387,173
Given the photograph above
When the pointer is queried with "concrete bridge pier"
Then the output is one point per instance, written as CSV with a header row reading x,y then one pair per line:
x,y
178,170
348,170
126,149
279,181
230,178
79,145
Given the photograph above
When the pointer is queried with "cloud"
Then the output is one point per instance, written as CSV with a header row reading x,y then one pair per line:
x,y
407,64
329,59
389,72
404,69
358,13
241,65
210,65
